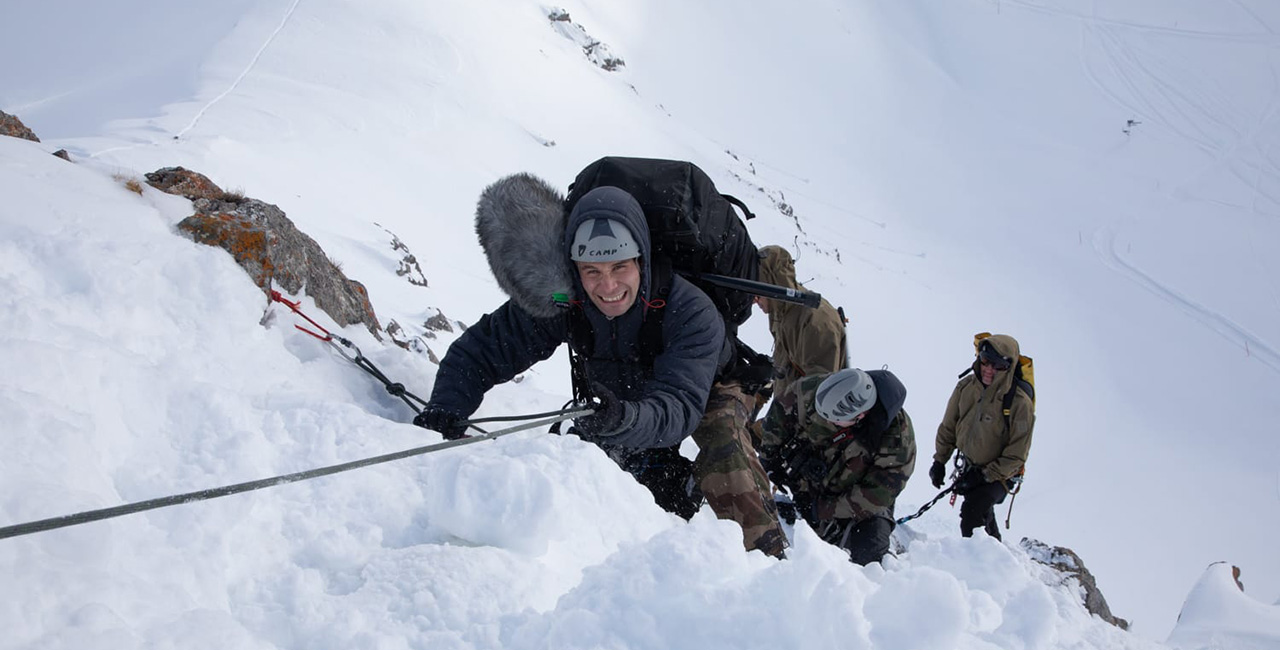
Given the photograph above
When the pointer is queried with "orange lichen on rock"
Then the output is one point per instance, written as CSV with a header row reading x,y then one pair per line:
x,y
247,243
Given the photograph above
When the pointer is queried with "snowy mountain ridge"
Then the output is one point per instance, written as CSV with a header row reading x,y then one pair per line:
x,y
938,171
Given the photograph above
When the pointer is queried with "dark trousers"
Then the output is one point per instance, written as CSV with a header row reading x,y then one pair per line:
x,y
667,474
867,541
979,509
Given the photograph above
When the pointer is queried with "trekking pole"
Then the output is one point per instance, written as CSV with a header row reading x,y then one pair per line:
x,y
203,495
362,362
926,506
772,291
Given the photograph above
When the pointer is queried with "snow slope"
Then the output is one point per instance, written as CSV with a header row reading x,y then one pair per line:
x,y
952,169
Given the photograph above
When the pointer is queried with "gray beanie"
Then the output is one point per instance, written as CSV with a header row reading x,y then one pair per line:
x,y
603,240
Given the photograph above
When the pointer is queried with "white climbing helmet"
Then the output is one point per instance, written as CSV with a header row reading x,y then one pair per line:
x,y
845,394
603,240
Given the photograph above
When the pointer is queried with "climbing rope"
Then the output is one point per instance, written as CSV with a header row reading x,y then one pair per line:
x,y
961,462
924,508
363,363
394,388
204,495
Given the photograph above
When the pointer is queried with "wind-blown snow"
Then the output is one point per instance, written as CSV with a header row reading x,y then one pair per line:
x,y
1219,614
952,169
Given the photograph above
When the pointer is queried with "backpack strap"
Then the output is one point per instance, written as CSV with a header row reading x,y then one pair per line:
x,y
579,341
579,344
649,345
746,212
1018,382
1006,402
746,366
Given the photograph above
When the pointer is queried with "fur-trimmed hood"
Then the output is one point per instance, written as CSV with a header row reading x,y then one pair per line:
x,y
520,220
526,236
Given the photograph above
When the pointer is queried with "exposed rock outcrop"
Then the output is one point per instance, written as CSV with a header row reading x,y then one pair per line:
x,y
438,323
408,267
1071,567
405,340
596,52
267,245
11,126
184,182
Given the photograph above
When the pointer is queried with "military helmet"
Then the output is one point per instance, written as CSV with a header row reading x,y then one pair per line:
x,y
844,395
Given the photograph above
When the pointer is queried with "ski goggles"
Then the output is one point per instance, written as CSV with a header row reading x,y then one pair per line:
x,y
989,356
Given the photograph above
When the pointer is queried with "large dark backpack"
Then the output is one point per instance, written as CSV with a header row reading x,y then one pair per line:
x,y
694,230
691,225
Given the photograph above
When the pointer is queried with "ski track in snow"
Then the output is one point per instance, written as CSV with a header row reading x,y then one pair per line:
x,y
1242,157
200,114
1161,102
1153,94
1104,243
249,68
1269,38
1254,15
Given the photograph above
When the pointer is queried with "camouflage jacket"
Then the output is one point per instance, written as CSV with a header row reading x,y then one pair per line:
x,y
852,473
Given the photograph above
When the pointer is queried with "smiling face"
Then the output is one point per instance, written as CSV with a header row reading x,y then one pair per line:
x,y
612,286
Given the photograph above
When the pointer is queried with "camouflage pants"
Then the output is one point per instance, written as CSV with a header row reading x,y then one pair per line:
x,y
729,472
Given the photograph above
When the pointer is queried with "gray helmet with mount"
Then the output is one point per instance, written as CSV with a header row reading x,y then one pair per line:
x,y
844,395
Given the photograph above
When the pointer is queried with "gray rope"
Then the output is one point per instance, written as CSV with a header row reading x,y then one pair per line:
x,y
213,493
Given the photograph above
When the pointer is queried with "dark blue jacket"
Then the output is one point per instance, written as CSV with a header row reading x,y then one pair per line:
x,y
664,400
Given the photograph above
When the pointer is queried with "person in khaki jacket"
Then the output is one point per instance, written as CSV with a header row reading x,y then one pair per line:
x,y
806,341
993,445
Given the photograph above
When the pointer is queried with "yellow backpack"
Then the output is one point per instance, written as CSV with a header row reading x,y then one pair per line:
x,y
1024,376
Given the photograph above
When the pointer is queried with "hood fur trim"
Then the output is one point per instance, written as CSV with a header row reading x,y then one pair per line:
x,y
520,220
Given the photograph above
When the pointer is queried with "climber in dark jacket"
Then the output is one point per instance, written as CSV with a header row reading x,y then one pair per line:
x,y
643,405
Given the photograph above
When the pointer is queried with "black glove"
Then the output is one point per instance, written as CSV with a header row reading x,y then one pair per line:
x,y
607,420
448,423
809,465
773,467
937,474
970,480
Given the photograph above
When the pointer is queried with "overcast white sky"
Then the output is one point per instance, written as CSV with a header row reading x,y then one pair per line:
x,y
952,169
